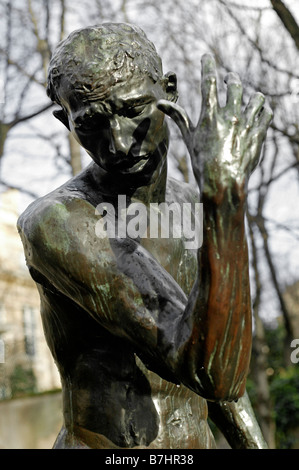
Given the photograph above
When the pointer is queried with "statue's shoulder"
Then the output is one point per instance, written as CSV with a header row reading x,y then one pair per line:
x,y
53,204
52,212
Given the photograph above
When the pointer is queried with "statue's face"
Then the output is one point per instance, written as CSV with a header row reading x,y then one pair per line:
x,y
123,131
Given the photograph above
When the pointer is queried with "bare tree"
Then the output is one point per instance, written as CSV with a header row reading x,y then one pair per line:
x,y
19,70
30,30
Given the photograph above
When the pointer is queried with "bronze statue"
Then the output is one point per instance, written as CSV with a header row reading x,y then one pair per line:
x,y
149,337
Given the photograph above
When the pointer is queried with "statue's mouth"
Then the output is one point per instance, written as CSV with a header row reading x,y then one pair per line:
x,y
137,166
132,165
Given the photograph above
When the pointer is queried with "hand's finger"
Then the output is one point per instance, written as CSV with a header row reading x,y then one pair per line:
x,y
234,93
253,108
208,86
179,116
262,123
265,117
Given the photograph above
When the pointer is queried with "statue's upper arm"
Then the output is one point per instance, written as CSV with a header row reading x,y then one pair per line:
x,y
60,243
60,239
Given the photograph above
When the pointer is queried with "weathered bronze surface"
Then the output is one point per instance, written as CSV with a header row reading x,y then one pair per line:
x,y
149,337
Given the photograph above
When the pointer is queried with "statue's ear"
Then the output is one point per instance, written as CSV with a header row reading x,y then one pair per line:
x,y
62,116
171,86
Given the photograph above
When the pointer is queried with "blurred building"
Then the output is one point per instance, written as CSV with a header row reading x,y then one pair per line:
x,y
26,365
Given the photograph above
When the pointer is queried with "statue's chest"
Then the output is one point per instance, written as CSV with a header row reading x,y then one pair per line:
x,y
167,231
179,262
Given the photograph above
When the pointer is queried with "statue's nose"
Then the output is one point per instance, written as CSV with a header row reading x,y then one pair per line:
x,y
121,138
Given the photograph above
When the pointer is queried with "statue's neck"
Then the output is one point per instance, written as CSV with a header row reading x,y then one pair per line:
x,y
155,190
151,189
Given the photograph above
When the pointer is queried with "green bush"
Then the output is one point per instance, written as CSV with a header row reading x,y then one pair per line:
x,y
22,381
284,390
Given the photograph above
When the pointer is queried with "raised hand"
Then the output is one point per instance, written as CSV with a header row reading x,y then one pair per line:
x,y
226,143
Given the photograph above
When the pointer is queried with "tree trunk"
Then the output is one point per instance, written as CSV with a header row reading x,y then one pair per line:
x,y
3,134
75,154
259,371
259,360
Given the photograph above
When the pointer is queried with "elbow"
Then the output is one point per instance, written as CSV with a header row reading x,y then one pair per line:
x,y
217,385
216,373
224,389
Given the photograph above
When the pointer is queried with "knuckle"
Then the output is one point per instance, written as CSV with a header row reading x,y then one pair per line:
x,y
233,78
269,112
210,79
260,97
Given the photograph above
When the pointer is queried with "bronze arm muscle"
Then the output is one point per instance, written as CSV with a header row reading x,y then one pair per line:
x,y
225,148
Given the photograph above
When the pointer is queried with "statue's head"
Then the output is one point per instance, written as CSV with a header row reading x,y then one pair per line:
x,y
93,59
107,80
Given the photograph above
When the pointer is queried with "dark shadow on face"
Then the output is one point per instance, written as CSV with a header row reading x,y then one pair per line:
x,y
120,160
140,134
147,174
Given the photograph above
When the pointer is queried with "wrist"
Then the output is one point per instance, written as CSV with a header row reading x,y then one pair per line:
x,y
216,176
224,189
224,207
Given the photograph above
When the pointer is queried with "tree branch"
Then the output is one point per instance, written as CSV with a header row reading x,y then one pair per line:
x,y
29,116
18,188
287,19
255,45
260,224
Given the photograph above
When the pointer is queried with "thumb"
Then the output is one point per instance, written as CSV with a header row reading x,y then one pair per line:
x,y
178,115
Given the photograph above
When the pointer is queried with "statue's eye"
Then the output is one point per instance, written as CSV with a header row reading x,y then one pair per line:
x,y
134,111
134,108
91,124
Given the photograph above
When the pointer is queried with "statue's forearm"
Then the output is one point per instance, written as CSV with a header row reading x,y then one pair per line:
x,y
224,146
220,302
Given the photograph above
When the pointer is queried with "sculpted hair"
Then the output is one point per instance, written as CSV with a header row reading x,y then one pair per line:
x,y
93,59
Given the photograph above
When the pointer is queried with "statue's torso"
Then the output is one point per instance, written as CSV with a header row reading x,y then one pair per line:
x,y
111,399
